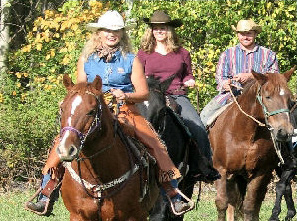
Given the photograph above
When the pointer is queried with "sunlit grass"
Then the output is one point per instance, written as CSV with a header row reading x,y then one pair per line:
x,y
12,207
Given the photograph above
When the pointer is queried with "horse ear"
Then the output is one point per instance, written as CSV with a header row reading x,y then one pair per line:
x,y
289,73
67,82
261,78
97,83
166,83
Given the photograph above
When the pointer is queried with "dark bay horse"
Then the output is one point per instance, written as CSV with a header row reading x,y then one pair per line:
x,y
102,180
243,149
286,172
176,137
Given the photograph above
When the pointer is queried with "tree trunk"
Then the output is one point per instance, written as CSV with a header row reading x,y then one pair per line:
x,y
4,35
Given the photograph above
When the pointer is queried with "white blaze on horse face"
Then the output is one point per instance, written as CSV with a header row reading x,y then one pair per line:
x,y
76,102
282,92
146,103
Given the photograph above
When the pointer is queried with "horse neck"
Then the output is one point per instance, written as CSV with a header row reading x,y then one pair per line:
x,y
110,156
249,104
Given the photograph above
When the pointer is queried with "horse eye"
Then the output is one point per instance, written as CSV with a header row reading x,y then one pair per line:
x,y
92,113
267,97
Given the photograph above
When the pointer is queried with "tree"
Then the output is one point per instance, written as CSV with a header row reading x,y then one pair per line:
x,y
4,35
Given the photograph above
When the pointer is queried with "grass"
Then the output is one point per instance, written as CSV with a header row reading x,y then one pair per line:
x,y
11,208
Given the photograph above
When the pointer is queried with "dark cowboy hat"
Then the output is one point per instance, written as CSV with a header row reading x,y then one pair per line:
x,y
160,17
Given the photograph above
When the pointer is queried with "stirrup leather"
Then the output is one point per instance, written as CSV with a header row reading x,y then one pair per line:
x,y
189,201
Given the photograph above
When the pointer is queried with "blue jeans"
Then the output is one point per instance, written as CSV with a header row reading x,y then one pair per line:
x,y
209,110
192,120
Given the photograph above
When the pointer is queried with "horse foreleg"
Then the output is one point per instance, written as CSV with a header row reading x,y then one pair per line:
x,y
230,213
288,196
221,198
255,194
290,203
280,191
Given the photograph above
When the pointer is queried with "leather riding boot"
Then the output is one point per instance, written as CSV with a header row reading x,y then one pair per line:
x,y
42,208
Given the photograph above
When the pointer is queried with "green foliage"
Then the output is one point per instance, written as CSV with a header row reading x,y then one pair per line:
x,y
32,87
207,32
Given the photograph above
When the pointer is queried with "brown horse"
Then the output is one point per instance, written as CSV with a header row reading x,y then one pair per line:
x,y
102,180
242,142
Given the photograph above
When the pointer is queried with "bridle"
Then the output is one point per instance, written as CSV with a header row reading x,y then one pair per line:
x,y
96,124
268,114
97,188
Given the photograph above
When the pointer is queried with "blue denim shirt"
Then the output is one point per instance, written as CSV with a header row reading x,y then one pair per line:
x,y
115,74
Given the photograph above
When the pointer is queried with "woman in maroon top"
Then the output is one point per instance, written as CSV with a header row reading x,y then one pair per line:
x,y
163,56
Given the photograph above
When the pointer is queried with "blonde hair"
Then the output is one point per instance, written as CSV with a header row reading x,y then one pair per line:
x,y
148,41
95,41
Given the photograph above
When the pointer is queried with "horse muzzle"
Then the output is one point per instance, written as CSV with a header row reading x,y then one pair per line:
x,y
67,153
283,134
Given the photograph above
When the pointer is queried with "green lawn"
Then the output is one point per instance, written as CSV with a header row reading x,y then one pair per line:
x,y
11,208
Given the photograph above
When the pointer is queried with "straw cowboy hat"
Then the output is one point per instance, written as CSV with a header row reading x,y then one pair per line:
x,y
111,20
247,25
160,17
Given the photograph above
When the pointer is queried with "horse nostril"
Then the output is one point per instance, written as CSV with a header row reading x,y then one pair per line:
x,y
72,150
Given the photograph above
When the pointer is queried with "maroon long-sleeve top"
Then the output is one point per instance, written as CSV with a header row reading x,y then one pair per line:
x,y
164,66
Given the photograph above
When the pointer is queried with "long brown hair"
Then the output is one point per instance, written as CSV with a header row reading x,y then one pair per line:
x,y
148,41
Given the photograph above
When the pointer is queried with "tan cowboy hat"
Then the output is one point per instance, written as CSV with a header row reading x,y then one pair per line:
x,y
247,25
111,20
160,17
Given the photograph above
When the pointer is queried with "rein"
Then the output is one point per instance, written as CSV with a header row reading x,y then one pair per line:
x,y
98,188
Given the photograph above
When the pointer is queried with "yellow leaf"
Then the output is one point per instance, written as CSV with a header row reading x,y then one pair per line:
x,y
53,52
47,57
25,74
18,74
38,47
74,27
18,84
14,93
63,50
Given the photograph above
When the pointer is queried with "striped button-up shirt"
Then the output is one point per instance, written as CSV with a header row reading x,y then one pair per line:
x,y
235,60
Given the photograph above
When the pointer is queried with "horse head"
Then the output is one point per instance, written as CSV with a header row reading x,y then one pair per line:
x,y
80,116
275,97
157,100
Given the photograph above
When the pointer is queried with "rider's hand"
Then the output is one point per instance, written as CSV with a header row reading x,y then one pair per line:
x,y
243,77
226,85
190,83
119,94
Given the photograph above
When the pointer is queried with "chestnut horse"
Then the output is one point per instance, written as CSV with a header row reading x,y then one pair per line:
x,y
243,138
102,180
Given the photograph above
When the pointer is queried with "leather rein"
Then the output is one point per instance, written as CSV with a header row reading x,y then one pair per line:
x,y
97,189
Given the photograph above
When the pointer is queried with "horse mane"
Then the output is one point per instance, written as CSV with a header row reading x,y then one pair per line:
x,y
153,81
82,87
275,81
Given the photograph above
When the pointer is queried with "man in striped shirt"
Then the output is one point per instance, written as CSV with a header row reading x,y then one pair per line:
x,y
236,64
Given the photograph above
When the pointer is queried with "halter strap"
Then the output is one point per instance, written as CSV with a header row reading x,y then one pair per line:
x,y
266,112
